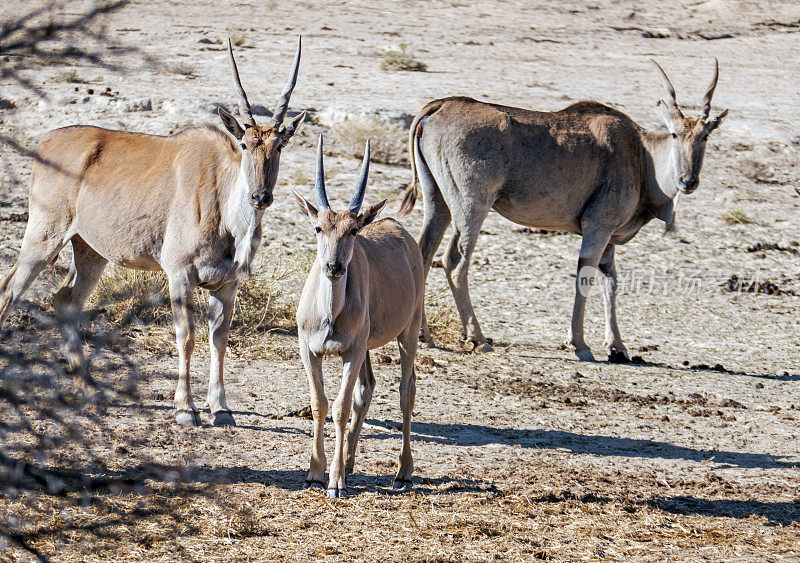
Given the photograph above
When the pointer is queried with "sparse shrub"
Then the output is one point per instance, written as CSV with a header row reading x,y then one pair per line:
x,y
71,76
402,60
387,143
736,217
237,37
182,68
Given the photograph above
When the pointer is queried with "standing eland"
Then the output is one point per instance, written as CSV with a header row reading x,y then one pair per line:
x,y
587,169
365,288
189,204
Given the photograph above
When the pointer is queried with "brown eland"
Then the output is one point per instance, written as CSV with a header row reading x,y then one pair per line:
x,y
189,204
365,289
587,169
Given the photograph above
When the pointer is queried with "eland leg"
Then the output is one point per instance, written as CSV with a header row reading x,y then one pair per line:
x,y
181,294
613,340
42,242
436,219
593,245
220,311
456,267
362,397
407,343
87,267
342,406
319,410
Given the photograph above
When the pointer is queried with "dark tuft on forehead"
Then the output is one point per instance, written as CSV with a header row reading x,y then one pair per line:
x,y
342,222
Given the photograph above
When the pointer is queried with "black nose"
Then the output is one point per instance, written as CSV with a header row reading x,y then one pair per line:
x,y
689,184
261,201
335,269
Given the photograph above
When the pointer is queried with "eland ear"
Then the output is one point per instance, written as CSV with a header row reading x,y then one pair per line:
x,y
370,214
714,123
230,123
672,117
293,125
306,207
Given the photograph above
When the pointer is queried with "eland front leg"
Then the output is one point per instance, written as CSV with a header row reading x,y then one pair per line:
x,y
319,410
613,341
362,397
181,295
342,406
220,311
593,245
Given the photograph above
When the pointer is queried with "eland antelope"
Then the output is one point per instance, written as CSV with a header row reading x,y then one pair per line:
x,y
189,204
365,288
587,169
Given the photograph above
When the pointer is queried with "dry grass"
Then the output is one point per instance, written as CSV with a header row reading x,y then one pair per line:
x,y
460,520
443,320
71,76
402,60
237,36
139,301
182,68
736,217
387,143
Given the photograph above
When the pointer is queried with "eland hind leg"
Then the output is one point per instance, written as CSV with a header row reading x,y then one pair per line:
x,y
436,219
456,266
407,342
43,240
87,267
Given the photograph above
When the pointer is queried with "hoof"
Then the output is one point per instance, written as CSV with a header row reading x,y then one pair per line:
x,y
484,348
337,493
618,357
401,485
313,485
585,355
188,418
223,418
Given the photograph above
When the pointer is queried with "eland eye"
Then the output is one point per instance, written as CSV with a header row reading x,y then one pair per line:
x,y
318,229
674,135
244,147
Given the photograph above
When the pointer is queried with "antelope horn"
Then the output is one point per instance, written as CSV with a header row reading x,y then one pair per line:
x,y
707,98
283,100
672,101
322,197
244,106
358,197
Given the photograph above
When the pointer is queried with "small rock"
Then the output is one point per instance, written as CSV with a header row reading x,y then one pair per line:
x,y
759,385
665,418
384,359
7,104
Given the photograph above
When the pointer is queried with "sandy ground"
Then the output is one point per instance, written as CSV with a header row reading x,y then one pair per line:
x,y
524,453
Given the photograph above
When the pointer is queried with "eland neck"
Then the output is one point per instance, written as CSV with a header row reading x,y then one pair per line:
x,y
330,296
240,219
661,172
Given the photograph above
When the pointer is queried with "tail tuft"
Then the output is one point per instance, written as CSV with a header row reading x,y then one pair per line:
x,y
409,198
